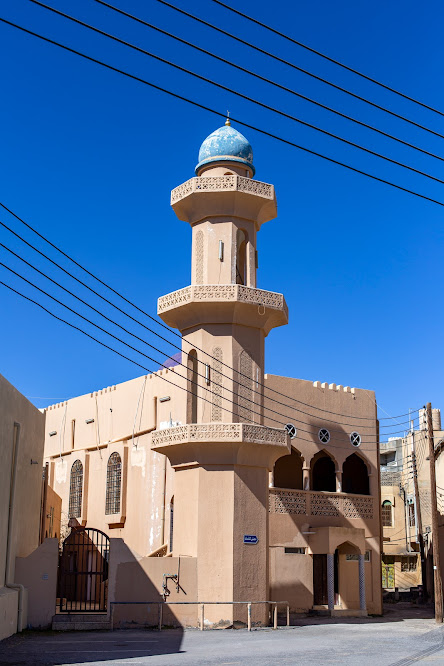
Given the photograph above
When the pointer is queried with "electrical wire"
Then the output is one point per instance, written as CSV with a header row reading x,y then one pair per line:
x,y
22,259
261,78
297,68
315,427
200,106
206,108
252,100
123,355
137,321
326,57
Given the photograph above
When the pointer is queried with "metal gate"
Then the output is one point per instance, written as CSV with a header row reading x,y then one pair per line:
x,y
83,572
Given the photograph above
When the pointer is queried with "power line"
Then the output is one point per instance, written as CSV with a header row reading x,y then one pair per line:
x,y
71,275
135,320
261,78
299,69
206,108
285,417
218,114
326,57
119,353
263,105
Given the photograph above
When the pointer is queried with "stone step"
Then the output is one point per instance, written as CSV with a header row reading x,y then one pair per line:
x,y
80,622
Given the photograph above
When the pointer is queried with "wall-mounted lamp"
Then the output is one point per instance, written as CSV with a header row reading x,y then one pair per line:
x,y
88,421
34,462
52,433
165,399
221,250
207,373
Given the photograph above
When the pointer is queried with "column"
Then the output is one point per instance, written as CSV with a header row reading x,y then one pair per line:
x,y
338,481
331,581
362,603
306,478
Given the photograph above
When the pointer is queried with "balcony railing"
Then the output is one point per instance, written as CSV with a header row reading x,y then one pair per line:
x,y
222,183
311,503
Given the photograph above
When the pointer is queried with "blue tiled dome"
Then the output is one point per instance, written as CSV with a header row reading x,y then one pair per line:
x,y
226,145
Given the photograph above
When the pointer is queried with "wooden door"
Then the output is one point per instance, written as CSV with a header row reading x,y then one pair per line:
x,y
320,597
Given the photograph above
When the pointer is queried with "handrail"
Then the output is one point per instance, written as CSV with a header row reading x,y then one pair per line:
x,y
202,604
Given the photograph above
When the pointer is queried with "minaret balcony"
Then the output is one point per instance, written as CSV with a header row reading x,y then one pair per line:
x,y
234,443
222,304
215,196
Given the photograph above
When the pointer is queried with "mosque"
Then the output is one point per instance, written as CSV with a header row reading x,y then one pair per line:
x,y
209,481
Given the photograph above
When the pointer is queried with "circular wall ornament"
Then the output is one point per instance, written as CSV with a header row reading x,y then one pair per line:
x,y
291,429
355,439
324,436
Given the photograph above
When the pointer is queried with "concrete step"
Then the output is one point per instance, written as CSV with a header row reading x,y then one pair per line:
x,y
80,622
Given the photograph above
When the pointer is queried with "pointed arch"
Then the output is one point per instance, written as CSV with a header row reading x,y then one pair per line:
x,y
192,386
288,471
323,472
241,256
75,490
355,475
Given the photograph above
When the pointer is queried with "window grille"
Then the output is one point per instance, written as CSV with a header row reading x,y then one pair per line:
x,y
386,514
295,551
291,429
75,490
113,484
411,515
408,563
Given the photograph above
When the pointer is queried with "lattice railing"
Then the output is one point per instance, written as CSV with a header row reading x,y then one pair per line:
x,y
220,432
222,292
222,183
313,503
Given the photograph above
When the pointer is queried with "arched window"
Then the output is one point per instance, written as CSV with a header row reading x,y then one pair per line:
x,y
75,490
323,474
387,517
241,256
192,377
355,476
288,471
113,484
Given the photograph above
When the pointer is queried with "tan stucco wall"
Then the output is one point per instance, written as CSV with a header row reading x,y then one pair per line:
x,y
14,407
38,573
135,578
294,572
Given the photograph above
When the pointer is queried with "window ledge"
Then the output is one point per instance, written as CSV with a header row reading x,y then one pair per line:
x,y
117,524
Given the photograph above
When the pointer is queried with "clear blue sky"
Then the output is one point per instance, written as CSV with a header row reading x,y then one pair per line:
x,y
89,158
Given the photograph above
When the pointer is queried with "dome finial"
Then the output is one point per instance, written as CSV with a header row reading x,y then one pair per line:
x,y
227,122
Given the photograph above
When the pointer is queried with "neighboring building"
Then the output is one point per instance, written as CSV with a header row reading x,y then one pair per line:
x,y
191,463
402,567
26,590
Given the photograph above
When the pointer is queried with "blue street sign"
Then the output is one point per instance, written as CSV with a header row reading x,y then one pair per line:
x,y
250,538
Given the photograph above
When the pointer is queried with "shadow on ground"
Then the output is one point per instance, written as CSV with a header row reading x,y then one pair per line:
x,y
393,612
49,648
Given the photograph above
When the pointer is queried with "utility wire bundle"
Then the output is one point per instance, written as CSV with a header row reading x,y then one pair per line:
x,y
258,76
281,401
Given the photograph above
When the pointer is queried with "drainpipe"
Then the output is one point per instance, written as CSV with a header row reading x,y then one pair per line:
x,y
8,581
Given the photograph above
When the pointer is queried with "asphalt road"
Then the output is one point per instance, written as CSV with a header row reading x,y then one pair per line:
x,y
402,637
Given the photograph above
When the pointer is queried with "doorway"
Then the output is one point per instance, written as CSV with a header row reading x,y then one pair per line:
x,y
320,589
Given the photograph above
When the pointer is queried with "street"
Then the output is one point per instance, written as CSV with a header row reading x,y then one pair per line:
x,y
405,635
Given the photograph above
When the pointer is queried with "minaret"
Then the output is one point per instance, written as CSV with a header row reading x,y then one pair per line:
x,y
223,455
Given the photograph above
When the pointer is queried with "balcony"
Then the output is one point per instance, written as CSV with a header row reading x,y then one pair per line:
x,y
311,503
231,195
221,303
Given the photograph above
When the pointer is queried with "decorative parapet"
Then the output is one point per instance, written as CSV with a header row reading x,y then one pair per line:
x,y
222,183
222,292
311,503
219,432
